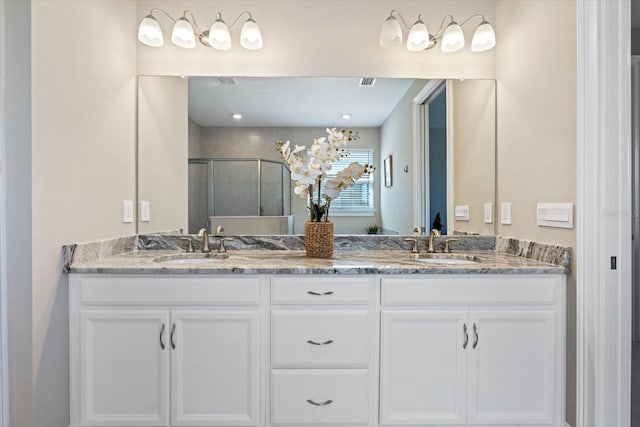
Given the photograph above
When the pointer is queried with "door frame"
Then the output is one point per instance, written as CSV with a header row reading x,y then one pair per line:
x,y
603,213
421,155
4,363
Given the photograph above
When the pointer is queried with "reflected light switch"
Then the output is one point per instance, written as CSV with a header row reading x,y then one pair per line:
x,y
488,213
505,213
145,211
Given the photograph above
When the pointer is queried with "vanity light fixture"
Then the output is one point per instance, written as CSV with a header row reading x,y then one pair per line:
x,y
451,37
345,116
186,31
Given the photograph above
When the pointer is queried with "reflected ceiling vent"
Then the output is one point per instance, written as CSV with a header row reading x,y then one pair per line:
x,y
225,81
367,81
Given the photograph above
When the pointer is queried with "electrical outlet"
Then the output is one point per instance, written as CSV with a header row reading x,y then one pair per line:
x,y
505,213
488,213
145,211
127,211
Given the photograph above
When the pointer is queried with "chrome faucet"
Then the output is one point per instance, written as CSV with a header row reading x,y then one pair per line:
x,y
205,240
434,233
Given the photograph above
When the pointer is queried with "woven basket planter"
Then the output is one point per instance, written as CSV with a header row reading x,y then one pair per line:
x,y
318,239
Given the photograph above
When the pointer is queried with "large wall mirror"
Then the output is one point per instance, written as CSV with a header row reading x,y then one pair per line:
x,y
201,165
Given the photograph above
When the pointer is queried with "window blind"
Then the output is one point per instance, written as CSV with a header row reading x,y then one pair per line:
x,y
358,197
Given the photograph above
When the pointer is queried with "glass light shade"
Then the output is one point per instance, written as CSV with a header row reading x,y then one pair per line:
x,y
149,32
219,36
391,32
453,38
418,38
484,38
250,36
183,35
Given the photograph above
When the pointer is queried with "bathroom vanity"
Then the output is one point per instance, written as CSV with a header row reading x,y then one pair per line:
x,y
272,338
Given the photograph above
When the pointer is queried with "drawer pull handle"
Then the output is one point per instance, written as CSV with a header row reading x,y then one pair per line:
x,y
475,336
319,343
320,294
466,336
171,338
162,346
325,403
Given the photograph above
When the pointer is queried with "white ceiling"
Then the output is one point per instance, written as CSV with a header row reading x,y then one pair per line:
x,y
293,102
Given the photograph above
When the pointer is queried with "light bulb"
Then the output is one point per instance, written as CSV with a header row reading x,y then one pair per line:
x,y
250,36
418,38
183,35
391,32
484,38
453,38
149,32
219,36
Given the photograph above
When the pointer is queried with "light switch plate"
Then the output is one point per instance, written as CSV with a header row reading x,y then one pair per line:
x,y
145,211
505,213
127,211
555,215
488,213
462,213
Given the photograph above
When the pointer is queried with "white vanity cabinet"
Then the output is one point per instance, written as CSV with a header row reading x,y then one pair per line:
x,y
465,350
322,357
165,351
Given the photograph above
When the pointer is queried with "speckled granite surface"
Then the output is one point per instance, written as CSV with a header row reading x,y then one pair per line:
x,y
341,242
285,255
296,262
553,254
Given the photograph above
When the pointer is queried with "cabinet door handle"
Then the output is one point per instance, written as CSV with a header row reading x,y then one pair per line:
x,y
475,336
162,346
320,294
319,343
466,336
325,403
171,337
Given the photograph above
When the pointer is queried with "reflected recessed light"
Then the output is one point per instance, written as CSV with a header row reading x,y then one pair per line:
x,y
237,116
346,116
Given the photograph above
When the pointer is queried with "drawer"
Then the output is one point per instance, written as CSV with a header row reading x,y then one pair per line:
x,y
173,290
320,397
469,290
320,290
329,338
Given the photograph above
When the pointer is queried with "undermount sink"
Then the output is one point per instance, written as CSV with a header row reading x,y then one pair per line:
x,y
191,258
449,259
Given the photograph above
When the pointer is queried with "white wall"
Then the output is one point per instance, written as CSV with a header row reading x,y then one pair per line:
x,y
15,228
162,152
474,141
84,97
396,139
330,38
537,129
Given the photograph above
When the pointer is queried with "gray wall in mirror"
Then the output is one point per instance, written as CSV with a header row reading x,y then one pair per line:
x,y
242,141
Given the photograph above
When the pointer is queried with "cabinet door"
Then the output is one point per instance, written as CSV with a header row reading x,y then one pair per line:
x,y
214,368
124,369
512,367
423,367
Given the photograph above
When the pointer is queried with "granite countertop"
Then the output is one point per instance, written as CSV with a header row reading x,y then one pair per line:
x,y
296,262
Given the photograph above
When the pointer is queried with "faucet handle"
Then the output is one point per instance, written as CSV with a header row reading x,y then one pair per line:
x,y
221,248
414,247
189,244
446,248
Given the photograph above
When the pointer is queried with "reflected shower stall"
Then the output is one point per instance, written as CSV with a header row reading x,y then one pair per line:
x,y
246,196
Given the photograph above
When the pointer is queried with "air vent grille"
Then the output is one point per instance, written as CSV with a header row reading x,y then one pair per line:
x,y
367,81
225,81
